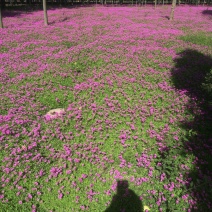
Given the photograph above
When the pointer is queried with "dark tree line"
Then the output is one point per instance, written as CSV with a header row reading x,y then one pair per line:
x,y
69,2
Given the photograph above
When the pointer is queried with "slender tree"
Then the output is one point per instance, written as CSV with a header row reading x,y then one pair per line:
x,y
172,10
2,4
1,23
45,13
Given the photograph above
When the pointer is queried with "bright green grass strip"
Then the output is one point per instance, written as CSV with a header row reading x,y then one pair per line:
x,y
64,81
69,44
49,99
46,77
200,38
83,64
6,104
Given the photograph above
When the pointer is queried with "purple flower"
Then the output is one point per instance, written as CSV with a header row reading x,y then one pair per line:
x,y
151,110
84,176
68,171
176,138
60,196
41,173
132,127
29,196
76,160
80,179
162,177
108,192
39,193
123,136
55,171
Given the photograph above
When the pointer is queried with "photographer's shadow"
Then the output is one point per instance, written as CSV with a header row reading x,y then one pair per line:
x,y
125,200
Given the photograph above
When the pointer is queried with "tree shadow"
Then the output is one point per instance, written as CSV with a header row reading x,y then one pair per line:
x,y
207,12
165,17
16,11
125,200
193,75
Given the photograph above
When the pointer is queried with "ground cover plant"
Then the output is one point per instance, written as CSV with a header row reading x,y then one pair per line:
x,y
136,93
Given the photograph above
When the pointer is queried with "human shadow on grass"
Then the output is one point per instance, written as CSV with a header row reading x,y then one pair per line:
x,y
193,74
125,200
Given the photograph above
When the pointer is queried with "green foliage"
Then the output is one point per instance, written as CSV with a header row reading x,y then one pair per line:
x,y
3,49
84,64
12,74
69,44
54,100
200,38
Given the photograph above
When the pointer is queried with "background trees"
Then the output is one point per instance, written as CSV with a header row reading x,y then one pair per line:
x,y
45,13
32,4
172,10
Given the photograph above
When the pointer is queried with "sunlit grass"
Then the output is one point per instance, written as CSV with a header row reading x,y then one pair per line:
x,y
200,38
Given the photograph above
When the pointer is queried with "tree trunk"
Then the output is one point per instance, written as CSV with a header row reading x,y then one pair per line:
x,y
172,10
29,2
45,13
1,24
2,4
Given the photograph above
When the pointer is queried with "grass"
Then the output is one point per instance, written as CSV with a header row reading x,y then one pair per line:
x,y
49,199
68,44
200,38
3,49
127,117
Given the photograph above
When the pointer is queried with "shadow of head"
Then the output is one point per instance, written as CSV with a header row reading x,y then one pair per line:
x,y
125,200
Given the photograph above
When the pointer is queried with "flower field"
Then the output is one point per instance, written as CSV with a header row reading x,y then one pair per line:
x,y
132,89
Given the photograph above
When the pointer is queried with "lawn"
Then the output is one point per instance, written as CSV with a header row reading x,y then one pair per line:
x,y
135,91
